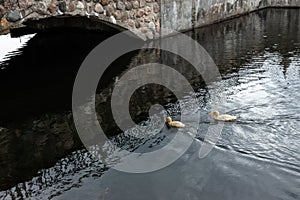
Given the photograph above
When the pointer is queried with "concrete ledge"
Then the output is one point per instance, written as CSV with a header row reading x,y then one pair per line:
x,y
184,15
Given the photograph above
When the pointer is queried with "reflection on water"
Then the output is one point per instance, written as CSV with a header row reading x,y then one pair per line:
x,y
256,158
10,46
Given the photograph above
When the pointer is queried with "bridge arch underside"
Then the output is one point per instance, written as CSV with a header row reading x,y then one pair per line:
x,y
76,22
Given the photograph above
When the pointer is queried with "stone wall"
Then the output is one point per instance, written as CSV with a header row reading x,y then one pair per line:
x,y
183,15
144,18
141,17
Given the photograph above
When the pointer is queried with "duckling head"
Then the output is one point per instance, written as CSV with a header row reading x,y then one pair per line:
x,y
214,114
169,119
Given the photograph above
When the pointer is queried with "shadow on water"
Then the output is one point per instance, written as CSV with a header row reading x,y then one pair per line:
x,y
36,84
44,71
256,157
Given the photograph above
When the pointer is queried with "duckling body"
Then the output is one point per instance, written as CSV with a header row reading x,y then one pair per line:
x,y
175,124
227,118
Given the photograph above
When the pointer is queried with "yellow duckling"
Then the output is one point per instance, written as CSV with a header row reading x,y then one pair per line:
x,y
175,124
227,118
4,26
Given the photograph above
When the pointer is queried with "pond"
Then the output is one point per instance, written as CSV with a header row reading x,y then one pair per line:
x,y
256,157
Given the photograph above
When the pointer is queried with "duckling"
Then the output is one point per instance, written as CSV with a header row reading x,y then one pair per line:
x,y
227,118
175,124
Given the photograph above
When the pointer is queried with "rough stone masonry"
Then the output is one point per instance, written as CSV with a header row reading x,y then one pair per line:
x,y
141,17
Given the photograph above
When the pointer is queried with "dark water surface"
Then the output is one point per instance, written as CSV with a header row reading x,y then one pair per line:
x,y
256,157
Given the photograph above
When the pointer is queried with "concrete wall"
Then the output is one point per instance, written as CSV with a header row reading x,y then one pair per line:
x,y
183,15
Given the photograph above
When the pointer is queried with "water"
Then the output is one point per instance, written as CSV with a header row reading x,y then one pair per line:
x,y
256,157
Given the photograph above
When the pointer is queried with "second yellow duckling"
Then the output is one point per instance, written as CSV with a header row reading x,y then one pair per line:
x,y
227,118
175,124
